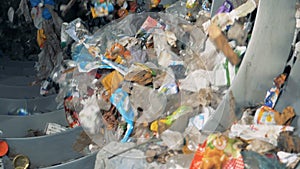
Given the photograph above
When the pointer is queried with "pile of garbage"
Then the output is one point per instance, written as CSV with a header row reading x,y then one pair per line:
x,y
140,79
144,86
152,79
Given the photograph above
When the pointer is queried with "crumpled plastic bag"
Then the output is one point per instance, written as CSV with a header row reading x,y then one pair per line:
x,y
290,159
37,17
51,54
24,10
268,133
137,55
168,85
152,104
77,31
197,80
165,55
44,66
193,138
177,9
131,26
89,116
56,19
199,120
126,104
194,38
260,146
173,139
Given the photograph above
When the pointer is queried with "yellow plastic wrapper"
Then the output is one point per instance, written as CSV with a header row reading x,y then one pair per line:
x,y
112,81
94,15
164,123
41,38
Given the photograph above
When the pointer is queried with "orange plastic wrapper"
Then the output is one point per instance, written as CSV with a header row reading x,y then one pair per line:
x,y
116,53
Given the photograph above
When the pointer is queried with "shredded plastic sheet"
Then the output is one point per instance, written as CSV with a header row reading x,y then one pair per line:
x,y
24,10
51,55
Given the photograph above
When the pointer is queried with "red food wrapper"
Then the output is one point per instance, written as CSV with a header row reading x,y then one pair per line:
x,y
218,151
237,163
196,162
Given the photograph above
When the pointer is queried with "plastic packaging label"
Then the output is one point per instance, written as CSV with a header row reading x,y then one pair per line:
x,y
53,128
265,115
271,97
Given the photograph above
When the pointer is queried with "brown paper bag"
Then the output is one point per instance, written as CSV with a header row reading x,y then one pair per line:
x,y
221,43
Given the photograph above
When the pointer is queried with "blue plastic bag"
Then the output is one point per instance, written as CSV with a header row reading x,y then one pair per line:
x,y
46,14
35,3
